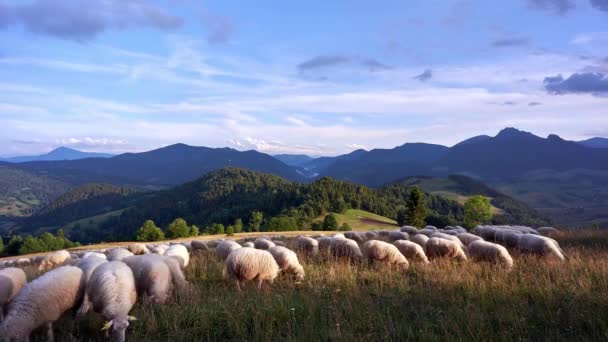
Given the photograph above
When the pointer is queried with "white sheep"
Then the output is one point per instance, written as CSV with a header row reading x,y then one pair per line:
x,y
540,245
442,248
263,243
372,235
467,238
159,249
447,237
397,235
117,254
324,243
249,263
411,250
427,232
53,260
96,254
138,248
111,292
420,239
548,231
507,238
248,244
409,229
345,248
307,245
88,265
384,252
155,275
226,247
12,280
487,251
288,261
199,246
355,236
42,301
180,252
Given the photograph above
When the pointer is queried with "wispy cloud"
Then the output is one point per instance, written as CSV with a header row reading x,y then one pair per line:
x,y
424,76
327,61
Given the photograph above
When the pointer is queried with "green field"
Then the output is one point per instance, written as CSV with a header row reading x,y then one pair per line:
x,y
362,220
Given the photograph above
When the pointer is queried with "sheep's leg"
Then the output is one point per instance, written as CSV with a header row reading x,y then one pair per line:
x,y
260,282
238,285
85,307
49,332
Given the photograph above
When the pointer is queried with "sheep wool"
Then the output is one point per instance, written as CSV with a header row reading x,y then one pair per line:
x,y
180,253
384,252
398,235
467,238
324,243
342,248
12,280
155,275
447,237
42,301
226,247
288,261
420,239
138,248
199,246
248,244
491,252
96,254
53,260
540,245
411,250
88,265
355,236
548,231
249,263
409,229
442,248
111,293
263,243
307,245
117,254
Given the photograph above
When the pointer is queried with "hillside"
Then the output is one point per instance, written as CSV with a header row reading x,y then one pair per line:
x,y
361,220
60,153
22,192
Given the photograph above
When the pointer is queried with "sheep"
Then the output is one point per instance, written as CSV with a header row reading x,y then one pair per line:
x,y
111,292
338,236
507,238
23,262
372,235
88,265
447,237
278,243
307,245
467,238
53,260
90,254
375,250
427,232
548,231
355,236
138,248
12,280
288,261
214,243
226,247
345,248
155,274
180,253
159,249
263,243
249,263
409,229
248,244
397,235
540,245
117,254
420,239
438,247
411,250
487,251
42,301
429,227
199,246
324,244
188,246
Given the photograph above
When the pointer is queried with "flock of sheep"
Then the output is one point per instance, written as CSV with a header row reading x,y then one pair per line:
x,y
108,282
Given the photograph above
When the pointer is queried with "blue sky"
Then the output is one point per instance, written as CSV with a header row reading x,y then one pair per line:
x,y
318,77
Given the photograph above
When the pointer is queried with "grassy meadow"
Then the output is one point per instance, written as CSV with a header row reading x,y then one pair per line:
x,y
444,301
361,220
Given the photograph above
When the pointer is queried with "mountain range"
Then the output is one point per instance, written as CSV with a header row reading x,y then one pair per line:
x,y
60,153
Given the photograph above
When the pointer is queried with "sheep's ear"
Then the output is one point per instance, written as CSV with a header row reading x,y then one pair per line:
x,y
132,318
107,326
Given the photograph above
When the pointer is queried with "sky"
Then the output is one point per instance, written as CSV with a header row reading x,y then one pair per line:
x,y
311,77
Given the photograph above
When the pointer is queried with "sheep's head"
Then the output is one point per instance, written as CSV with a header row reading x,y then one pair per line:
x,y
119,327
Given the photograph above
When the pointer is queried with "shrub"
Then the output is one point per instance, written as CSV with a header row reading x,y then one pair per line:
x,y
149,232
330,222
178,229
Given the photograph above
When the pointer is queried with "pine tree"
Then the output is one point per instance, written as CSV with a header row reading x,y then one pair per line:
x,y
330,222
416,208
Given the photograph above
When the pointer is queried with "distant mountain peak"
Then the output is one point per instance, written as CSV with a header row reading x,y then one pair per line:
x,y
511,133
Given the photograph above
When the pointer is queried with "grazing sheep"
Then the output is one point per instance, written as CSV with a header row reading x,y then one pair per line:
x,y
214,243
249,263
155,274
12,280
548,231
507,238
179,252
384,252
226,247
199,246
96,254
429,227
540,245
467,238
111,292
278,243
420,239
263,243
23,262
411,250
117,254
324,244
447,237
248,244
138,249
288,261
397,235
409,229
188,245
448,232
372,235
159,249
427,232
355,236
53,260
442,248
487,251
88,265
345,248
42,301
307,245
